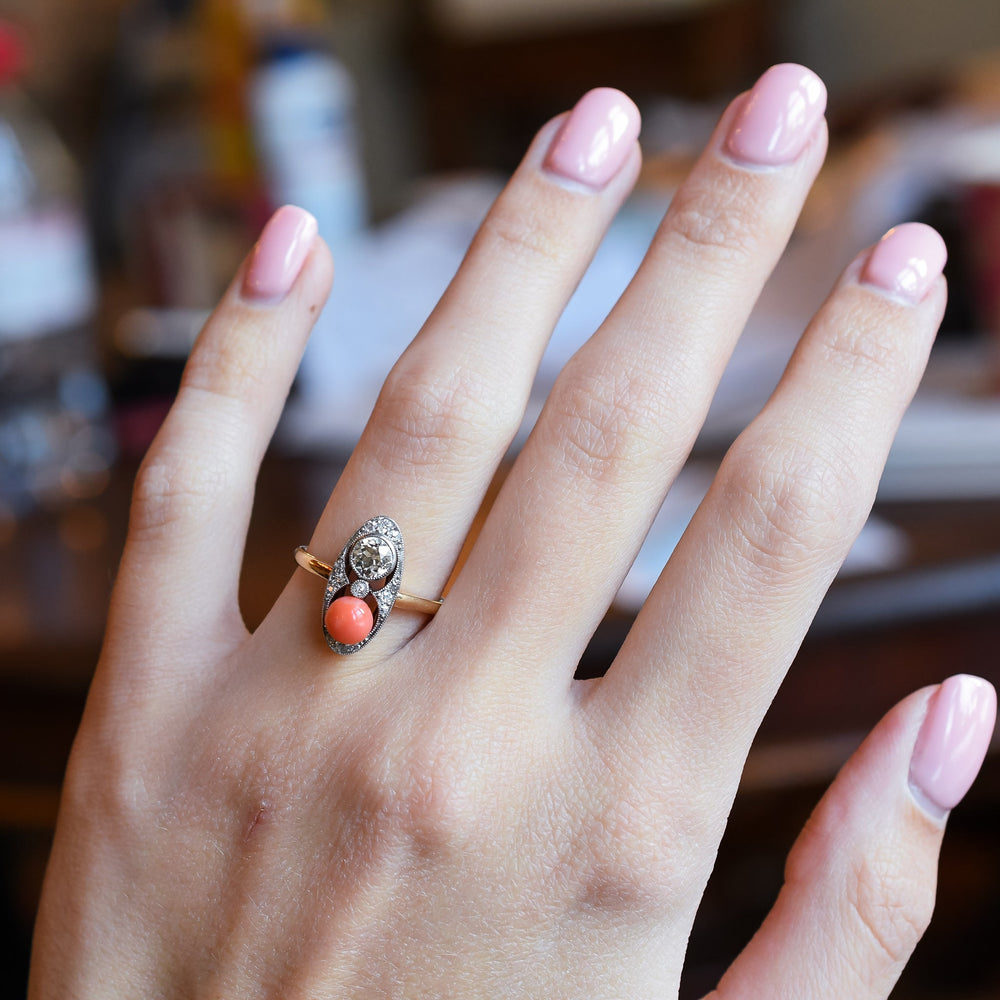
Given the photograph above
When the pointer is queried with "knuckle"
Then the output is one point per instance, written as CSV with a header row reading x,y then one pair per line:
x,y
171,489
643,842
444,802
449,418
606,422
439,809
634,867
790,505
107,783
229,368
890,905
530,238
720,223
861,351
431,796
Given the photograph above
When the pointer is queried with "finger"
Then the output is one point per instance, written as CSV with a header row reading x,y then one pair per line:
x,y
624,412
731,607
860,881
193,494
456,397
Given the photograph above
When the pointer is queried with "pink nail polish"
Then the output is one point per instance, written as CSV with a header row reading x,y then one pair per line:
x,y
779,116
279,255
953,741
906,261
596,139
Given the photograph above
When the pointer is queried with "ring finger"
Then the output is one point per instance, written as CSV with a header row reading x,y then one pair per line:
x,y
454,400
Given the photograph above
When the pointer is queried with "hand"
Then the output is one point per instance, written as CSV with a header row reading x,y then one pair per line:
x,y
447,813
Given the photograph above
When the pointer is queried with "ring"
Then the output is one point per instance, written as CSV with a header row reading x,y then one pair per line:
x,y
362,586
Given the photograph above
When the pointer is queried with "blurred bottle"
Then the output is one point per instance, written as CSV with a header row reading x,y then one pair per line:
x,y
302,108
302,102
175,195
54,440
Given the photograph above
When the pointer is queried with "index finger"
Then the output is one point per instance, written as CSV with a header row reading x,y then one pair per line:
x,y
191,505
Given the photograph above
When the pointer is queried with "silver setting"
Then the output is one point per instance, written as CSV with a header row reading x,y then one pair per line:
x,y
344,575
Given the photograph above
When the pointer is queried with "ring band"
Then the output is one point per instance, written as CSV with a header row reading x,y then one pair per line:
x,y
362,586
405,602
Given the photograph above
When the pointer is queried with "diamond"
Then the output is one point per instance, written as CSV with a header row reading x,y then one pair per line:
x,y
372,557
360,588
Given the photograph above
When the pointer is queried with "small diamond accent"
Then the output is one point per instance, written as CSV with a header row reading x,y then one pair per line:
x,y
360,589
372,557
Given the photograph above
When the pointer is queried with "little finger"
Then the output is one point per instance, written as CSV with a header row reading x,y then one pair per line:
x,y
860,881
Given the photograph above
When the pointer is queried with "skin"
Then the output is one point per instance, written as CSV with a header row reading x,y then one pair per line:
x,y
447,813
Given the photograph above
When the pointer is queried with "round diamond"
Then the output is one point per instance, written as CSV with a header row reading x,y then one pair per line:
x,y
360,588
373,557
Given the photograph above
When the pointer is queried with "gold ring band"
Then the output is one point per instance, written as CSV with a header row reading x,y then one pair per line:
x,y
405,602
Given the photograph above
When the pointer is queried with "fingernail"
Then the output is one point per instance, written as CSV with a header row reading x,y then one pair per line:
x,y
778,117
906,261
953,741
596,139
279,255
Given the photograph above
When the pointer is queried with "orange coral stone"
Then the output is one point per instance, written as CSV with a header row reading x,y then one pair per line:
x,y
349,620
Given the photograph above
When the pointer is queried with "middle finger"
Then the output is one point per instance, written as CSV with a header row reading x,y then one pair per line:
x,y
624,412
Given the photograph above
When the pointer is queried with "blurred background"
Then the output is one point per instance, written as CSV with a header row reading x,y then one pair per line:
x,y
143,144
